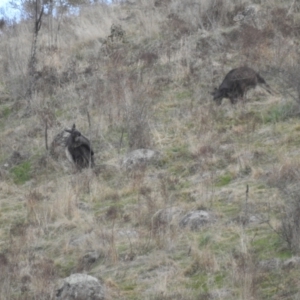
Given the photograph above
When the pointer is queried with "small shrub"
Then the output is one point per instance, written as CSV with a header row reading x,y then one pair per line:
x,y
112,212
148,58
21,173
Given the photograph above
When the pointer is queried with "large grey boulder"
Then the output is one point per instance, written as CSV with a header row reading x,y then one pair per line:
x,y
195,220
139,157
58,146
81,287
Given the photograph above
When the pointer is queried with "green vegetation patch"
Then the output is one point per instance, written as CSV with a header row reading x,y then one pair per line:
x,y
284,254
179,152
267,245
230,210
184,95
129,287
22,172
59,113
227,243
66,267
205,240
184,196
198,282
223,180
261,187
278,113
277,283
5,112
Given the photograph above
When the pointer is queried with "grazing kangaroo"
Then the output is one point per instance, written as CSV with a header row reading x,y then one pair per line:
x,y
236,83
78,149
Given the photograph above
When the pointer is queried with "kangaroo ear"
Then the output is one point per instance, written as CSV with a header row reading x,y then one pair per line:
x,y
72,129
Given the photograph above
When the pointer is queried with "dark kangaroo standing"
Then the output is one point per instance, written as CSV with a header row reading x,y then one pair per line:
x,y
79,149
236,83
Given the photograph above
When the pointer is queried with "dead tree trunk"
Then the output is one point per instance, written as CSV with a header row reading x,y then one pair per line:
x,y
33,60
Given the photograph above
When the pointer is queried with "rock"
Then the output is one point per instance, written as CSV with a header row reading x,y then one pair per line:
x,y
247,219
197,219
239,17
58,145
291,263
83,239
249,13
83,206
255,219
139,157
81,287
253,14
128,233
220,294
270,264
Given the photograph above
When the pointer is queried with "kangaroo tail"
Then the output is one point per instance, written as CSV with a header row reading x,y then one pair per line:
x,y
268,88
260,79
264,84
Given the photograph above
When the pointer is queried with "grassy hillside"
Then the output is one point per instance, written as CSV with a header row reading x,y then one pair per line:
x,y
150,88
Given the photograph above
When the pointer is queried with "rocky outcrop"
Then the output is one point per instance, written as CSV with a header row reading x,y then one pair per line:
x,y
139,157
81,287
195,220
58,146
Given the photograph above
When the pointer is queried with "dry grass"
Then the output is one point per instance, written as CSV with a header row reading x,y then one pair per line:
x,y
151,89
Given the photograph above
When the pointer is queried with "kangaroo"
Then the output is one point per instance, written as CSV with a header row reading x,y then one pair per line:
x,y
78,149
236,83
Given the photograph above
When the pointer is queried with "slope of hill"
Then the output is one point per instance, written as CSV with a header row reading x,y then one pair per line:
x,y
215,215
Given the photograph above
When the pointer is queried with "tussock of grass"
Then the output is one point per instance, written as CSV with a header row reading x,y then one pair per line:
x,y
21,173
223,180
